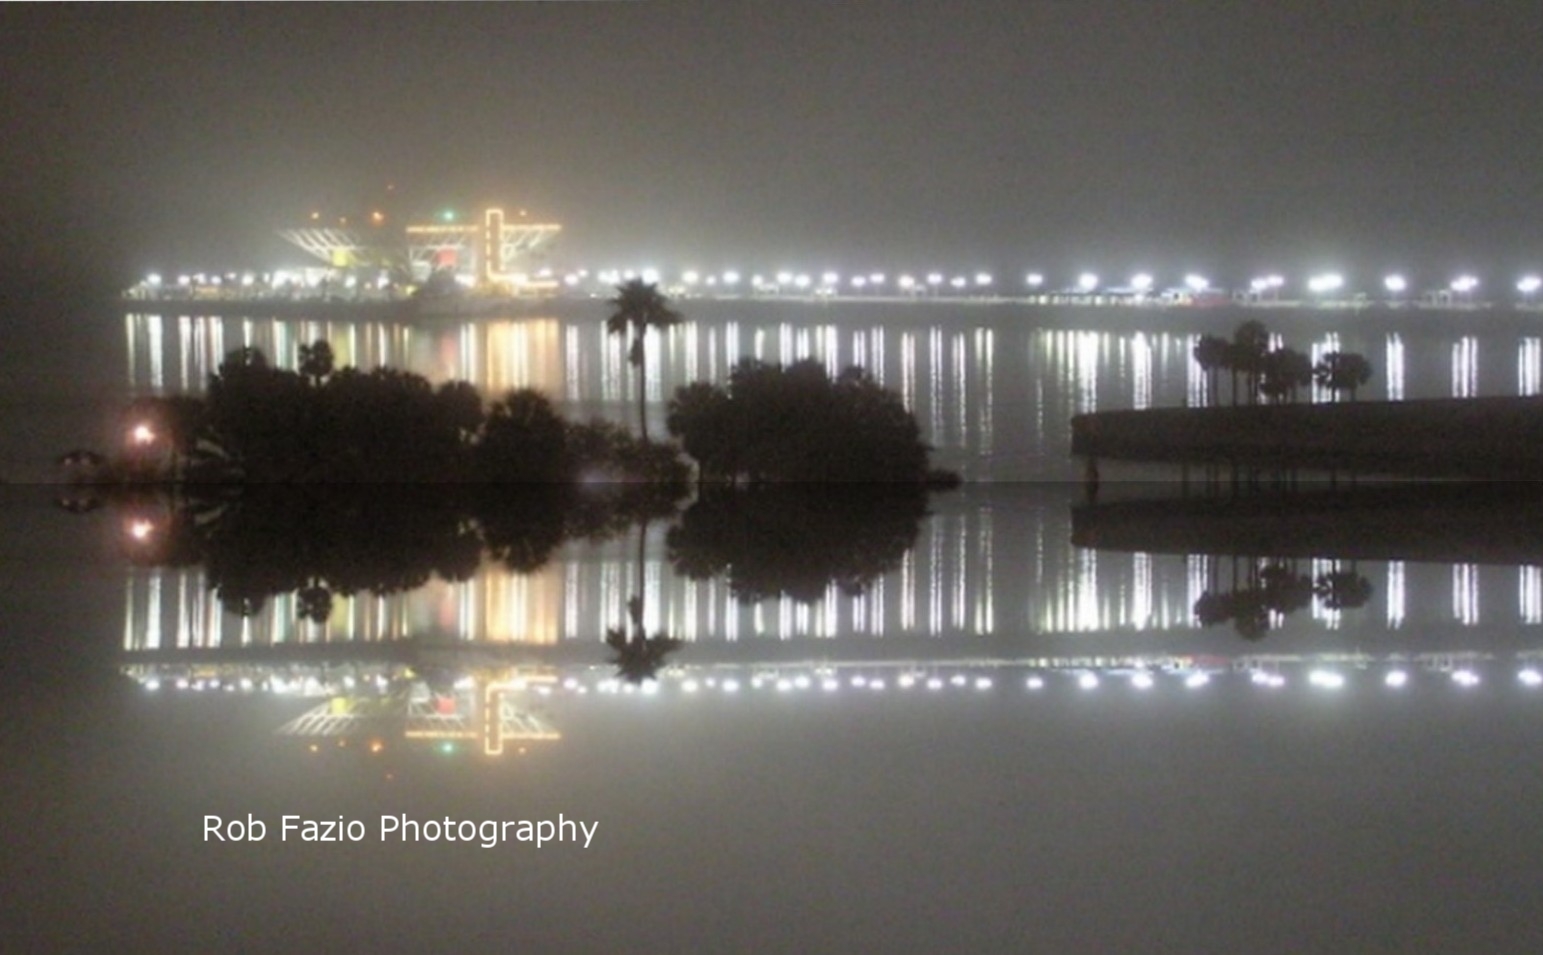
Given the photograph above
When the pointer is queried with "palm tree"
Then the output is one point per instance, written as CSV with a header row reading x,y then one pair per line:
x,y
637,307
1250,341
1343,371
316,361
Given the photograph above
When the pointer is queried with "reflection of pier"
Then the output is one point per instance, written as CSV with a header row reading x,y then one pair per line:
x,y
1456,524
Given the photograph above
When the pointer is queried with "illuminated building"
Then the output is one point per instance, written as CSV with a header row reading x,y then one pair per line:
x,y
489,252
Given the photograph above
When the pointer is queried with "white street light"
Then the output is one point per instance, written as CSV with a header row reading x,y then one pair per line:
x,y
982,278
1529,284
1327,282
1196,283
1034,280
1087,281
1141,282
1395,284
1464,284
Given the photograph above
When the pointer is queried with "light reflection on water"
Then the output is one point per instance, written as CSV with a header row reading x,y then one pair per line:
x,y
994,571
993,389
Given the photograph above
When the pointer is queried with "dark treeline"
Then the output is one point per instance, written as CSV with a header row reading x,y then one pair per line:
x,y
1274,588
1275,374
259,424
796,424
263,425
317,541
797,541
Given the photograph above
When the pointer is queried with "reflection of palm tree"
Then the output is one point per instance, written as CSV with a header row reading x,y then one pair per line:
x,y
640,306
639,657
1343,590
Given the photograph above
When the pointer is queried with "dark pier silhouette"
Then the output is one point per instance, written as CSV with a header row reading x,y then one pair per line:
x,y
1472,438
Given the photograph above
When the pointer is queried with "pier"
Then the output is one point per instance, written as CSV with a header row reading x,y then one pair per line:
x,y
1471,438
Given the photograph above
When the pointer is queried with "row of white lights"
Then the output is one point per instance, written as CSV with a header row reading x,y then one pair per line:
x,y
1086,680
1087,282
828,282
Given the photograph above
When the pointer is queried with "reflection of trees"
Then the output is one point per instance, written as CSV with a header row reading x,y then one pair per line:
x,y
796,540
1272,589
319,542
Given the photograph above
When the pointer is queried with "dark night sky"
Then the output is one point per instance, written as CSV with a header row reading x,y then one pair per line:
x,y
1205,134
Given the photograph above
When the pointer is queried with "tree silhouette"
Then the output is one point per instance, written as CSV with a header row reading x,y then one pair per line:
x,y
797,424
797,540
1283,372
1343,372
1276,589
638,307
1213,353
316,361
1250,342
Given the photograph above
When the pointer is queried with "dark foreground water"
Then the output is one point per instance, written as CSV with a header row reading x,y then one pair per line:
x,y
964,731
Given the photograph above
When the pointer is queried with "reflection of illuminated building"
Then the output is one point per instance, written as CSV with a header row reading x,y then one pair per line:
x,y
481,710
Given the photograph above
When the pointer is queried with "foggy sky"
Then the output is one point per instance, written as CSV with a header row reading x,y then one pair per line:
x,y
1000,133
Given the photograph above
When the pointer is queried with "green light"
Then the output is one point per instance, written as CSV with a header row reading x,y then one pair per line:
x,y
448,215
447,747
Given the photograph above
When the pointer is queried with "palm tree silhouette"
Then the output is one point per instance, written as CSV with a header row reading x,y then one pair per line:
x,y
639,657
1343,371
637,307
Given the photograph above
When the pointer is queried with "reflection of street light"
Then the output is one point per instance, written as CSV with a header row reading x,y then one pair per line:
x,y
1141,282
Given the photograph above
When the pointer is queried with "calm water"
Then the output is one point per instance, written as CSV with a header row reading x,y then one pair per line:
x,y
997,740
